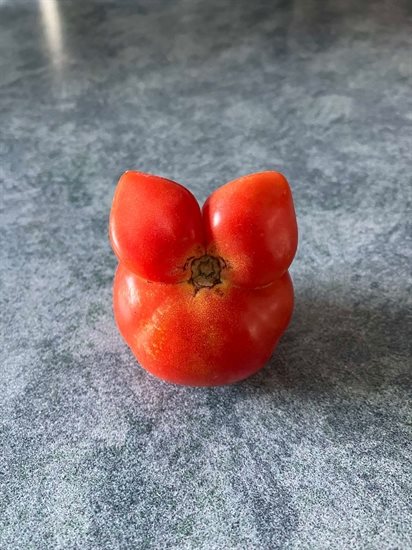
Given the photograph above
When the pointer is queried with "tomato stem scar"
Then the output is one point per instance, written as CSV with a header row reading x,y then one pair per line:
x,y
205,271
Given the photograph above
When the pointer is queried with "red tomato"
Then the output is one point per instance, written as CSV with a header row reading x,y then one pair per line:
x,y
202,298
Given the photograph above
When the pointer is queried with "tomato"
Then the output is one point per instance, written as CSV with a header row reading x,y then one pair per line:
x,y
203,296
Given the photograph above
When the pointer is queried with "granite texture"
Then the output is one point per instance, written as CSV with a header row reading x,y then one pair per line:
x,y
313,452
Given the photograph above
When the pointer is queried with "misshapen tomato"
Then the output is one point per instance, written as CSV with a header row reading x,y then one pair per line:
x,y
202,297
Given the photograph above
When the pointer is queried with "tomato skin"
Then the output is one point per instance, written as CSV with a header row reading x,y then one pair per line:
x,y
218,336
251,222
155,226
202,297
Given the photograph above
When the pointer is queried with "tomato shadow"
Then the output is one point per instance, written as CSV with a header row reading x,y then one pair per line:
x,y
333,345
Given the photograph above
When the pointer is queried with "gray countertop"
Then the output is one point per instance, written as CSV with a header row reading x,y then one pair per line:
x,y
314,451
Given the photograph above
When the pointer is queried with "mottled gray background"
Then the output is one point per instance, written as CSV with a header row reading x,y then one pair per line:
x,y
313,452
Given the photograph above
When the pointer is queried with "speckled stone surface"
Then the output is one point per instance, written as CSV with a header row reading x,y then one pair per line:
x,y
313,452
